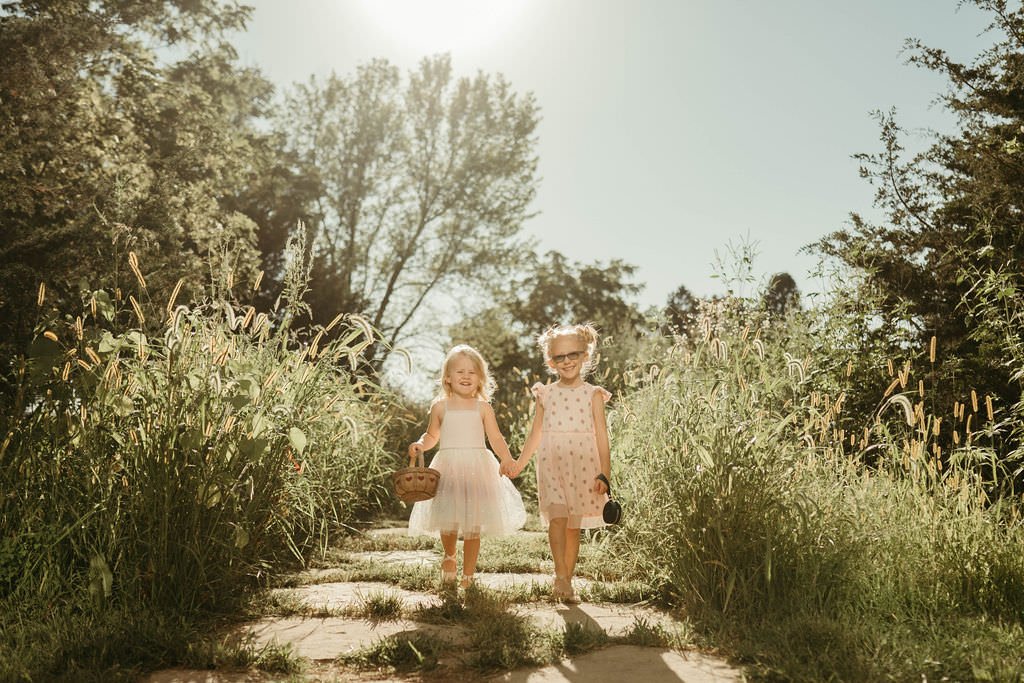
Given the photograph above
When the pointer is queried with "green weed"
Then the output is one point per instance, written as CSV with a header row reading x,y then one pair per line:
x,y
403,652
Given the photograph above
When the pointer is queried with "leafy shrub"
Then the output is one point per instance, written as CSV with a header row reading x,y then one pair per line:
x,y
170,466
751,506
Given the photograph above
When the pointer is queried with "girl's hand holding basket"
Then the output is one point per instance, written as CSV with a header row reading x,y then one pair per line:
x,y
415,482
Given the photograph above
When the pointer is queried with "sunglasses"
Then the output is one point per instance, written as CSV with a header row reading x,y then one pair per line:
x,y
562,357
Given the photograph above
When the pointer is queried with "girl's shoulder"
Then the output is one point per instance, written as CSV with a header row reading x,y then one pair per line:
x,y
600,391
540,390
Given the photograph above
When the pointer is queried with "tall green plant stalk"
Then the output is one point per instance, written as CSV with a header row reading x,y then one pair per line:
x,y
754,507
171,465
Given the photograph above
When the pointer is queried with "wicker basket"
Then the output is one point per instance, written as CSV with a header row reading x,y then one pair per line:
x,y
415,482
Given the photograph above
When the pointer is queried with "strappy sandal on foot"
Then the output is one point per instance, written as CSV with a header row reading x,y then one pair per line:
x,y
562,591
467,581
448,577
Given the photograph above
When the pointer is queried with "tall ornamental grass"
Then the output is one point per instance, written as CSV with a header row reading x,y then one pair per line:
x,y
168,467
751,509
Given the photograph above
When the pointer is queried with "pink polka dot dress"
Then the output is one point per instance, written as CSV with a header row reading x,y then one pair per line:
x,y
567,458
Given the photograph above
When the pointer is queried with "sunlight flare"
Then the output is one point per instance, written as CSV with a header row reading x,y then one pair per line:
x,y
443,25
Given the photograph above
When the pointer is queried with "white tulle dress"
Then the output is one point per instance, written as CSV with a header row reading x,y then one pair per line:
x,y
472,498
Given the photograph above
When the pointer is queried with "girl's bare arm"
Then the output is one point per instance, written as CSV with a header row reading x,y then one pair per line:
x,y
601,433
430,437
532,440
494,435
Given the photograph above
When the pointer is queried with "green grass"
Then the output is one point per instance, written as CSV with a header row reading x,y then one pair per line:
x,y
160,467
63,645
281,603
362,542
377,606
401,652
746,511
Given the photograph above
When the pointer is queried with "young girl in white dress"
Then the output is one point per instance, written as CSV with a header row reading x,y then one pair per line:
x,y
570,435
472,497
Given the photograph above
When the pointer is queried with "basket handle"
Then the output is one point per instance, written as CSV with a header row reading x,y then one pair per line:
x,y
416,458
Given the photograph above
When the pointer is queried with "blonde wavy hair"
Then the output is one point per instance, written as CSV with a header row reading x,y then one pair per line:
x,y
584,332
487,385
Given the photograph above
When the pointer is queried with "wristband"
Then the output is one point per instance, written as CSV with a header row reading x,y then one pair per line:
x,y
604,479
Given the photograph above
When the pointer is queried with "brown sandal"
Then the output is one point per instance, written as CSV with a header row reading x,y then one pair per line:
x,y
448,577
562,591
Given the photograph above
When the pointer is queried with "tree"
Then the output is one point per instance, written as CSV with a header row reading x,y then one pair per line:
x,y
781,295
421,186
681,311
103,150
952,212
553,290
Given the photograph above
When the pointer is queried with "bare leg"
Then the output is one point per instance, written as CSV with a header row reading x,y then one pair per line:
x,y
470,552
556,539
572,551
449,541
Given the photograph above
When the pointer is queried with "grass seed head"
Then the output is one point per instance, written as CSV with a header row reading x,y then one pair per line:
x,y
133,263
137,309
174,297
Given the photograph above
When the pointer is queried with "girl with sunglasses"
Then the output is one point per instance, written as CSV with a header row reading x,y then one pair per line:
x,y
570,436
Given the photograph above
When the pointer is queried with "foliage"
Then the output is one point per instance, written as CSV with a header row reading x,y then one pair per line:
x,y
681,312
171,466
550,290
421,185
745,508
105,150
946,209
781,295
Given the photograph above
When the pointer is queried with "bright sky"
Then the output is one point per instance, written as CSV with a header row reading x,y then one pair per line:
x,y
669,127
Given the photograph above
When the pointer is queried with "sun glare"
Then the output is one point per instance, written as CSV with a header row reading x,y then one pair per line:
x,y
442,25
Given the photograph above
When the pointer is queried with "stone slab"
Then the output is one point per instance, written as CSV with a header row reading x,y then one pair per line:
x,y
326,638
206,676
629,663
614,620
501,581
338,596
388,531
403,557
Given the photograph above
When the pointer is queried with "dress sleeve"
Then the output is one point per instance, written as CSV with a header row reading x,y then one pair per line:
x,y
604,393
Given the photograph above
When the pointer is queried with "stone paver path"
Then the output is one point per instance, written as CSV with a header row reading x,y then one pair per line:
x,y
192,676
329,633
341,595
324,639
416,558
621,663
501,581
615,620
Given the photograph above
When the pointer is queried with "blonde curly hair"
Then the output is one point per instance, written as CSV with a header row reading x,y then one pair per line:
x,y
487,385
584,332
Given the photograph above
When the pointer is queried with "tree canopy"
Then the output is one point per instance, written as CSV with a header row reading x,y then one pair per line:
x,y
103,149
551,289
952,217
417,186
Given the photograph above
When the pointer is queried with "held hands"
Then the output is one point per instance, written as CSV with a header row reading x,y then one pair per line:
x,y
509,467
